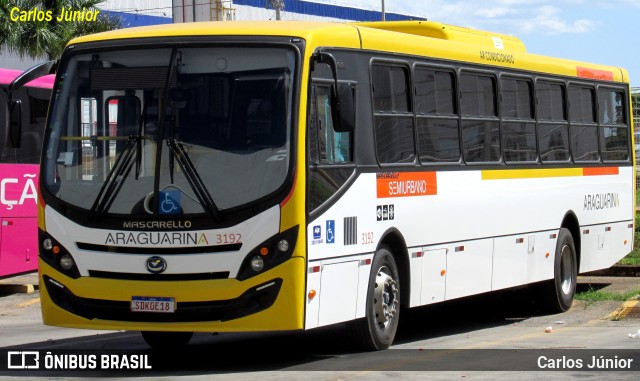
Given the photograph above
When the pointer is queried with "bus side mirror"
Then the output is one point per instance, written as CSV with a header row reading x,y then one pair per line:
x,y
342,94
15,122
342,107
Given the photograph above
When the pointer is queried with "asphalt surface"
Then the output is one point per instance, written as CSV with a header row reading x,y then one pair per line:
x,y
585,326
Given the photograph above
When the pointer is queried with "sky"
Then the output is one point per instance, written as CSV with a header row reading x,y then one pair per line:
x,y
603,32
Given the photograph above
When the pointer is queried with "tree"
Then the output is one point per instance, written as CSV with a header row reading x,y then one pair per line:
x,y
46,37
6,28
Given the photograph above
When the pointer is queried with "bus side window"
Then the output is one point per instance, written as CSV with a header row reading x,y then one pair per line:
x,y
480,127
614,131
583,127
327,145
437,116
393,116
553,128
518,125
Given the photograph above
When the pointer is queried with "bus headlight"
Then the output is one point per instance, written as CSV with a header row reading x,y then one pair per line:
x,y
57,256
257,264
269,254
66,262
283,245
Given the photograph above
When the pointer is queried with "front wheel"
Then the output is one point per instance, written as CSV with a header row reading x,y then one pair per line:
x,y
378,329
561,290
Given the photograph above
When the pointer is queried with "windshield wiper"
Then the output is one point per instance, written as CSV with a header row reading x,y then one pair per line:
x,y
118,173
195,181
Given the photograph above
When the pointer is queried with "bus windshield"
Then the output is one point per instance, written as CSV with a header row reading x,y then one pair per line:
x,y
172,130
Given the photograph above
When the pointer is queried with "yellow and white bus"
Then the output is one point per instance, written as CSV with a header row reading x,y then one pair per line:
x,y
263,176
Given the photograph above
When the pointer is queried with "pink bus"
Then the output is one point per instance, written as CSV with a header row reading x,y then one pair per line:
x,y
19,159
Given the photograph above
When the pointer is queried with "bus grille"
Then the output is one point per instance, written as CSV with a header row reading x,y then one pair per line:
x,y
158,277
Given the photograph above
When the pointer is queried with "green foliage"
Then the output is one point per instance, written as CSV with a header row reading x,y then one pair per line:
x,y
593,295
47,39
633,258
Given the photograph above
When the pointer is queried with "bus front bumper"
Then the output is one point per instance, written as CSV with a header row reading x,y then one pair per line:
x,y
270,301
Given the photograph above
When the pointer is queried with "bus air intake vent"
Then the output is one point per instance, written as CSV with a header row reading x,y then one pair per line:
x,y
158,277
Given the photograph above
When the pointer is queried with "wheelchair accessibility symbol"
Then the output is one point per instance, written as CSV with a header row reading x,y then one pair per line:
x,y
331,224
169,202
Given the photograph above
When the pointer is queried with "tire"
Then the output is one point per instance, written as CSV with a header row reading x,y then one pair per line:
x,y
561,290
166,340
378,329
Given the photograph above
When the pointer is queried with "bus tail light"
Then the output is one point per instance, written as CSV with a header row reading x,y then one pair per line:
x,y
268,254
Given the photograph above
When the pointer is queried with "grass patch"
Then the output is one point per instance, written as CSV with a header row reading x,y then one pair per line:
x,y
633,258
593,295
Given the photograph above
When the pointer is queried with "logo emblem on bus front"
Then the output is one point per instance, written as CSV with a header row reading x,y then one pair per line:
x,y
156,265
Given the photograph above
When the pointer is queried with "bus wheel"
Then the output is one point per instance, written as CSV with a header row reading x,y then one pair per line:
x,y
562,288
166,340
378,329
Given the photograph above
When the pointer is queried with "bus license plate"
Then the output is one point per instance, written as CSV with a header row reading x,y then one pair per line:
x,y
153,304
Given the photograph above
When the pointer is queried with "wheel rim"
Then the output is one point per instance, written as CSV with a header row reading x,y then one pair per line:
x,y
385,297
566,270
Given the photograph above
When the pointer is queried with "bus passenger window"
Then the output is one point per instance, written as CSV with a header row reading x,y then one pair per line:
x,y
518,127
480,127
393,117
584,131
553,129
614,131
437,119
553,140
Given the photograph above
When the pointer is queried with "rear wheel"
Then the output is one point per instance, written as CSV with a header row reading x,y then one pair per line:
x,y
561,290
166,340
378,329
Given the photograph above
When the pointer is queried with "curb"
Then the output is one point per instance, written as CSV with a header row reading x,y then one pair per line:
x,y
17,288
20,284
628,309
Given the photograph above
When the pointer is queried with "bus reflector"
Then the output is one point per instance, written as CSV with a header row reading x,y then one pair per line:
x,y
459,248
625,241
546,255
264,251
586,231
56,249
365,262
442,272
607,229
417,254
519,240
553,236
314,269
312,294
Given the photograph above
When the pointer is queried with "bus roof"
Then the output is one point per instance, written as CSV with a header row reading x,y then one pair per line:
x,y
424,38
8,75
